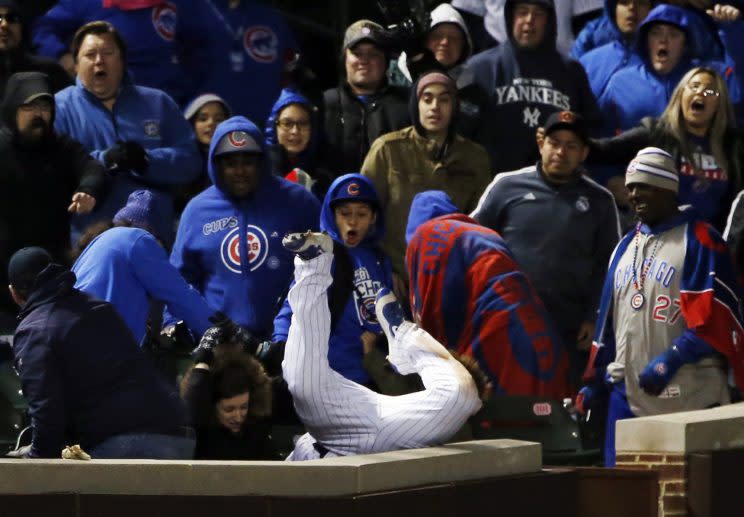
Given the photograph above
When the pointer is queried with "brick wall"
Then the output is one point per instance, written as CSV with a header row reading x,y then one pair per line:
x,y
672,478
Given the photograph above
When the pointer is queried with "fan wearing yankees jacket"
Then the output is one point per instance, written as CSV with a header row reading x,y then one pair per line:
x,y
669,316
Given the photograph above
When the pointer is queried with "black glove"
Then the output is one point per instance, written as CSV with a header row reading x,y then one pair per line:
x,y
234,333
271,355
204,353
6,351
129,156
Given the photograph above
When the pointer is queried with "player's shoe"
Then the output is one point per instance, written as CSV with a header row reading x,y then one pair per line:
x,y
390,315
308,245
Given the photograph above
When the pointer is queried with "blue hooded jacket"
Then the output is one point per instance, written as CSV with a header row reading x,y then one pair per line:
x,y
372,270
598,32
208,251
306,159
637,91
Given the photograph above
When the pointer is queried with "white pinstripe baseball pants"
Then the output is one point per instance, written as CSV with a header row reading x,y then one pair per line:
x,y
347,418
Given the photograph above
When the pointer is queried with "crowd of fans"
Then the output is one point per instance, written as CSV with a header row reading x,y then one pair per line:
x,y
156,152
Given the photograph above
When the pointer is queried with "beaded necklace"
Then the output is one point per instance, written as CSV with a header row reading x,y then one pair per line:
x,y
638,299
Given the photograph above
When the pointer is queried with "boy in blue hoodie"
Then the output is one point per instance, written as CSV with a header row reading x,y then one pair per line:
x,y
351,216
228,244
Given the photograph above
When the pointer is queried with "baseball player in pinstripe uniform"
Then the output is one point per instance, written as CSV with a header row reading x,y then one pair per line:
x,y
669,319
343,417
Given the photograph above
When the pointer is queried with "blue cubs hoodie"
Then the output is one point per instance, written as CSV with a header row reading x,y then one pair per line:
x,y
245,55
371,269
217,232
156,38
597,32
638,91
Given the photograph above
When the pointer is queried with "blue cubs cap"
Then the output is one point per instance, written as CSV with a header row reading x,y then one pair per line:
x,y
355,190
237,142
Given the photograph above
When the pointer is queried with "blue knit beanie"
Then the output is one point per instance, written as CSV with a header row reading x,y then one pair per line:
x,y
147,210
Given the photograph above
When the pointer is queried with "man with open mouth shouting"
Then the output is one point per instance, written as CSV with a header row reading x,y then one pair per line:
x,y
671,41
669,319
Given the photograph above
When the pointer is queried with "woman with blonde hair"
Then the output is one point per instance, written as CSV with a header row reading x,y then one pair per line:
x,y
698,129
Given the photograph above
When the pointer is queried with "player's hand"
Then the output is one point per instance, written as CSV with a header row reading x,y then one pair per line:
x,y
271,355
724,13
82,203
584,336
657,374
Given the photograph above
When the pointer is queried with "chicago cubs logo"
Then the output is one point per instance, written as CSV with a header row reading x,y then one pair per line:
x,y
256,244
151,128
237,138
353,189
261,43
567,116
660,368
164,18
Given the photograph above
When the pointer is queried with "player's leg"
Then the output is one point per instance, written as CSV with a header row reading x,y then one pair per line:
x,y
337,412
450,397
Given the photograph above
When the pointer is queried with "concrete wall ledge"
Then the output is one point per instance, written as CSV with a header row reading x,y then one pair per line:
x,y
326,478
682,433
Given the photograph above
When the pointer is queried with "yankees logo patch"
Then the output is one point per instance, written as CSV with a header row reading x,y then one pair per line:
x,y
261,43
164,17
257,246
531,116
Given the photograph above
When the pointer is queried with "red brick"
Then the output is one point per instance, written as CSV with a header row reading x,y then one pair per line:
x,y
671,472
674,487
626,458
635,466
651,458
674,503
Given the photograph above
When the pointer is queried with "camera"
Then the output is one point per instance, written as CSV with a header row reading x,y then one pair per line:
x,y
407,21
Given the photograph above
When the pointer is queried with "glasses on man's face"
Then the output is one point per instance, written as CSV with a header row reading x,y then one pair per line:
x,y
9,17
288,124
706,91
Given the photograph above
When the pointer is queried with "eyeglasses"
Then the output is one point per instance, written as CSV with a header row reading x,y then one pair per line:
x,y
10,18
287,124
699,88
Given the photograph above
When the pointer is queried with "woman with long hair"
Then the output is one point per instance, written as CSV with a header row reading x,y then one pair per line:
x,y
699,130
229,396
